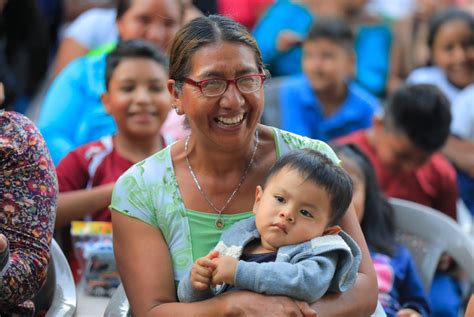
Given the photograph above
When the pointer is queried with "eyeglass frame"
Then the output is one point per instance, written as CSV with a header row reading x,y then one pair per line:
x,y
200,83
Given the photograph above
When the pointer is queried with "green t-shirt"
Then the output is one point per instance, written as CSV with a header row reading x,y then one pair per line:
x,y
148,191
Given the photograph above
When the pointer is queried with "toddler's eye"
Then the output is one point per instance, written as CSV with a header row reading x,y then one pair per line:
x,y
306,213
280,199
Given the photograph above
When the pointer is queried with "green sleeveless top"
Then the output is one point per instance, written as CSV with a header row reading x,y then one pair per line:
x,y
148,191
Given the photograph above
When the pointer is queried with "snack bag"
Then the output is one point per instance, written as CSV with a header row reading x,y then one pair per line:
x,y
94,252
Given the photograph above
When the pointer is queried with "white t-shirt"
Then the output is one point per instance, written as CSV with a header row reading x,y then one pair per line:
x,y
462,111
435,76
94,28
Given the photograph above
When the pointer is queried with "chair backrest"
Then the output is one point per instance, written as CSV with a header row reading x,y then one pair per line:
x,y
118,305
428,233
58,294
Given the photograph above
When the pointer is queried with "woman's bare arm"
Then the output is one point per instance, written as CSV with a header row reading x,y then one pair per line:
x,y
361,299
145,267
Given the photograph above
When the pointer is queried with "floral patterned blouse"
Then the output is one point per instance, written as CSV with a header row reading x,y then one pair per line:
x,y
28,193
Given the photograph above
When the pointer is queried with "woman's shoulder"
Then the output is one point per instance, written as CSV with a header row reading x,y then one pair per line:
x,y
20,139
151,168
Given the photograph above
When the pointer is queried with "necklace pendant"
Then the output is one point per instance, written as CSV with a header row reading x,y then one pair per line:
x,y
219,223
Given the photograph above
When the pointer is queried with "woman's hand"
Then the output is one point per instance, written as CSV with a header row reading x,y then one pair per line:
x,y
246,303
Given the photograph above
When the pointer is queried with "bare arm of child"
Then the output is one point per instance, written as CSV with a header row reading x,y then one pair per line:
x,y
74,205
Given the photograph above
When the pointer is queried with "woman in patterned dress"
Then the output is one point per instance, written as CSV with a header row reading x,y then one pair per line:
x,y
28,192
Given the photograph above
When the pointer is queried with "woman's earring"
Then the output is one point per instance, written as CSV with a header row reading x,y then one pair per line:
x,y
176,109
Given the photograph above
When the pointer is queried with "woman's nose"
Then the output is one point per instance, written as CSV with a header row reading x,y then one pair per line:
x,y
232,97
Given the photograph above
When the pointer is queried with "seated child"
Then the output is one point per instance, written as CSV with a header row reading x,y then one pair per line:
x,y
324,102
400,289
137,98
292,246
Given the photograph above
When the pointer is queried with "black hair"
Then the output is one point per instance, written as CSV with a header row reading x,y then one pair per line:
x,y
122,6
448,15
333,29
25,49
203,31
135,48
421,112
320,170
378,221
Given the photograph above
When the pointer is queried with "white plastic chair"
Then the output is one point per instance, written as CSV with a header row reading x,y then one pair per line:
x,y
428,233
58,294
118,305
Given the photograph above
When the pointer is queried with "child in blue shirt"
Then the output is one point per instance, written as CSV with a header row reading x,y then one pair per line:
x,y
293,246
324,103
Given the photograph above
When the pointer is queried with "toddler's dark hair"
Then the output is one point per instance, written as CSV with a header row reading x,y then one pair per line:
x,y
320,170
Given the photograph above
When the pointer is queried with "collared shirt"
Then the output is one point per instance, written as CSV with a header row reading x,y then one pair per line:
x,y
302,112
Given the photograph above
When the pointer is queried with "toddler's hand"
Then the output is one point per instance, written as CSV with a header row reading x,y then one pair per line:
x,y
225,270
201,272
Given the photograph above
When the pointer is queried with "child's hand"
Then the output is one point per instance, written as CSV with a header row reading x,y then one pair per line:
x,y
224,271
408,312
287,40
201,272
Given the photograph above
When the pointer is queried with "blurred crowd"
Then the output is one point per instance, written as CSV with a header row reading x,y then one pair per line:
x,y
396,78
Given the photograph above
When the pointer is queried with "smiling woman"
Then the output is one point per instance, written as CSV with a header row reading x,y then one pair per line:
x,y
164,213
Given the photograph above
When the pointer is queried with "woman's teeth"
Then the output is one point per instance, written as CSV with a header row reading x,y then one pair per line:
x,y
231,121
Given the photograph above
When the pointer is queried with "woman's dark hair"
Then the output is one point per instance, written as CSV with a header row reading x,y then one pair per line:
x,y
445,16
377,222
24,49
204,31
135,48
333,29
123,5
317,168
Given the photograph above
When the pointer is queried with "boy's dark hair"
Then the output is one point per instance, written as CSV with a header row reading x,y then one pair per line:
x,y
422,113
319,169
445,16
377,222
333,29
132,49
